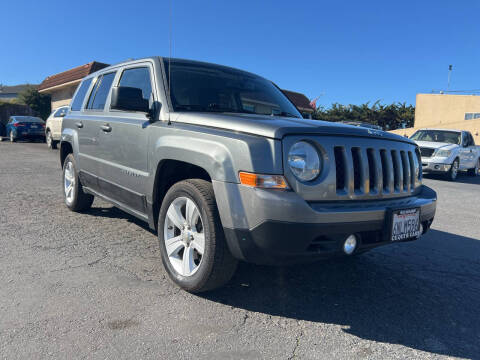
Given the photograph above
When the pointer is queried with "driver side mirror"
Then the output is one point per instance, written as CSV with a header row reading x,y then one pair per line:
x,y
129,99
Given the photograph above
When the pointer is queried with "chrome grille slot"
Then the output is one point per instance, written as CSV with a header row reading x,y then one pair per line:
x,y
386,171
406,171
419,161
357,172
396,170
372,170
340,168
427,152
412,171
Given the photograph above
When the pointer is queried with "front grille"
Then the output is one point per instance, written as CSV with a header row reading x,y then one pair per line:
x,y
374,171
426,152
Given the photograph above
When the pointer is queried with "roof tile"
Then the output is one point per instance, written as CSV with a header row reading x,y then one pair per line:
x,y
76,73
298,99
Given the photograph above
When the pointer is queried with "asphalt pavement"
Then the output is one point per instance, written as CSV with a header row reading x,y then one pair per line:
x,y
92,286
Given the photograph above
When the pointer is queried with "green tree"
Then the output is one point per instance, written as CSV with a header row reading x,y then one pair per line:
x,y
389,117
39,103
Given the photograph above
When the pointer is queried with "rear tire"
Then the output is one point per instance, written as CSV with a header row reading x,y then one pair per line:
x,y
214,265
453,172
475,171
74,196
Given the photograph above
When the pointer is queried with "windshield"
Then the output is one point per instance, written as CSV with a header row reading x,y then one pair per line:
x,y
214,88
451,137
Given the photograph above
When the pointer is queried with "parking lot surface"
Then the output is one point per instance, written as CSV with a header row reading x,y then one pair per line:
x,y
92,286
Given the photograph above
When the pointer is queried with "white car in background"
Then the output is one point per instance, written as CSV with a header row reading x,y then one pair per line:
x,y
53,126
447,152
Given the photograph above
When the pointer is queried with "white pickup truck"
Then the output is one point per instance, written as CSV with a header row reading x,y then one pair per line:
x,y
448,151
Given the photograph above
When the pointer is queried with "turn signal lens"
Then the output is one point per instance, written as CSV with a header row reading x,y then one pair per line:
x,y
263,181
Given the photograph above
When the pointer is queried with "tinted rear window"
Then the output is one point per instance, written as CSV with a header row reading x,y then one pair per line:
x,y
99,94
78,99
29,119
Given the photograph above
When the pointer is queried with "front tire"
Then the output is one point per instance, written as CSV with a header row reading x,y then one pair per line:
x,y
475,170
75,198
453,172
52,144
192,243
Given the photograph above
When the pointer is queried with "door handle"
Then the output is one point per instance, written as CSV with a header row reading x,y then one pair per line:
x,y
79,124
106,128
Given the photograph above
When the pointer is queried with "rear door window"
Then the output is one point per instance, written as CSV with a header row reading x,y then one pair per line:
x,y
82,91
137,78
471,142
99,94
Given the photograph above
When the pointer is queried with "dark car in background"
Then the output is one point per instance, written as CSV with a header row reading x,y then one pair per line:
x,y
25,127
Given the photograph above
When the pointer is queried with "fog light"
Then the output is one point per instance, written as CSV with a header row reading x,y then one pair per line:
x,y
350,244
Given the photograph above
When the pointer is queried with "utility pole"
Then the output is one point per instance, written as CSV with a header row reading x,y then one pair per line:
x,y
449,76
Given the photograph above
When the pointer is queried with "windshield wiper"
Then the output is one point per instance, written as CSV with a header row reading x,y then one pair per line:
x,y
286,114
211,108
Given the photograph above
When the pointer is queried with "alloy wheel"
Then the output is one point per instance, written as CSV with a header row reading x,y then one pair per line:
x,y
184,236
49,139
454,170
69,182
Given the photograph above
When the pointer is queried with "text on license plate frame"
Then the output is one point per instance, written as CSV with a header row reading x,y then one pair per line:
x,y
404,224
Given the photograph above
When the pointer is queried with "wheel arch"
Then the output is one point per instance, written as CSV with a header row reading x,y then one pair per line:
x,y
65,149
169,172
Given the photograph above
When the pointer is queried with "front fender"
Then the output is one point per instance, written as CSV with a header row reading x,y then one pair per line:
x,y
213,157
221,154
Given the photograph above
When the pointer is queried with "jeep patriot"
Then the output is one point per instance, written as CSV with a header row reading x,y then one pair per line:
x,y
221,164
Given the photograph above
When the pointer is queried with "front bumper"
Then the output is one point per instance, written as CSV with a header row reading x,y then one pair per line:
x,y
29,135
435,165
274,227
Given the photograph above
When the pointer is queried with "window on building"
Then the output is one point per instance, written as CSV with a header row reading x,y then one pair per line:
x,y
78,99
138,78
470,116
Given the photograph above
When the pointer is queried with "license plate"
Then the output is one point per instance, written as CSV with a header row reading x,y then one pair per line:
x,y
405,224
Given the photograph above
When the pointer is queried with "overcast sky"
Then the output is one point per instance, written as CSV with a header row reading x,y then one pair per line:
x,y
350,51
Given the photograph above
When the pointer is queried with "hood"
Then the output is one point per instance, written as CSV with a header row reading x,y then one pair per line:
x,y
436,145
277,127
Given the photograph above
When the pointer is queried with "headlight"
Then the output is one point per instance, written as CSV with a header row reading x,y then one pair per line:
x,y
304,161
443,153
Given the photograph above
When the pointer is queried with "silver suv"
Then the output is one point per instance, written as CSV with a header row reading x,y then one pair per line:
x,y
222,165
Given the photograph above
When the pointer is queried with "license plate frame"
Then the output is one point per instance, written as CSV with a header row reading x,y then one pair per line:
x,y
394,217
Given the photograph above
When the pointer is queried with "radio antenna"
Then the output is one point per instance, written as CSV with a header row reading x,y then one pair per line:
x,y
170,59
